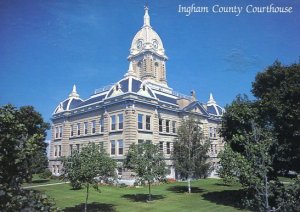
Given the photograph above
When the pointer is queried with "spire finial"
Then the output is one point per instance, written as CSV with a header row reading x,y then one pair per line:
x,y
211,99
130,70
146,16
74,92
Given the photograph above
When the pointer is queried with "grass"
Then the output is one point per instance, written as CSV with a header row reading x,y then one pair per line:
x,y
207,195
36,180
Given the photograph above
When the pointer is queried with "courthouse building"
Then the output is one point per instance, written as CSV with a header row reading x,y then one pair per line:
x,y
140,107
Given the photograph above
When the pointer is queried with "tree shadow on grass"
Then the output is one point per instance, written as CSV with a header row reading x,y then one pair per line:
x,y
40,181
184,189
226,197
91,207
223,184
142,197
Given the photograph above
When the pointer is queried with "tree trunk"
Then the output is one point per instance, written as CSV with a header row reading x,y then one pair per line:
x,y
149,184
87,196
189,184
266,194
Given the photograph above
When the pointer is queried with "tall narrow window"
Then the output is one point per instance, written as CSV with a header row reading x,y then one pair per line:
x,y
56,132
113,122
167,126
55,151
160,125
161,146
77,147
60,131
101,123
140,121
168,148
174,126
120,117
112,147
210,132
59,150
216,150
85,128
78,129
72,130
148,122
215,132
93,127
120,147
211,148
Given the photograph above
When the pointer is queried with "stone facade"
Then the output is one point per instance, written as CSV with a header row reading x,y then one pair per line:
x,y
139,108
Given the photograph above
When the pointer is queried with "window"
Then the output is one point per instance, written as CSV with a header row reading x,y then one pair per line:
x,y
216,151
148,122
174,126
161,146
112,147
57,169
140,121
93,127
148,141
113,122
120,146
101,123
211,148
59,150
168,148
160,125
140,141
60,131
167,126
55,151
72,130
215,132
56,132
120,117
120,171
85,128
210,132
78,129
77,147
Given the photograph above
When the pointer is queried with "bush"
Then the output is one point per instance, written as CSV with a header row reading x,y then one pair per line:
x,y
46,174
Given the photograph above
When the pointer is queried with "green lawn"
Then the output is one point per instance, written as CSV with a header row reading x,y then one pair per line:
x,y
208,195
36,180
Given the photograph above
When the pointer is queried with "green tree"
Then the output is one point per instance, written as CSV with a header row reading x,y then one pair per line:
x,y
191,151
147,162
278,101
21,140
89,167
273,118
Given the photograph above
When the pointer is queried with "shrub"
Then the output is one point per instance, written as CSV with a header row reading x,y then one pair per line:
x,y
46,174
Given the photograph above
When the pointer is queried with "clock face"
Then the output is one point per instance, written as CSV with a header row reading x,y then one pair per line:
x,y
155,44
139,44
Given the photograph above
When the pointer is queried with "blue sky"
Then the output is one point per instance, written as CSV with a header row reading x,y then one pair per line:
x,y
47,46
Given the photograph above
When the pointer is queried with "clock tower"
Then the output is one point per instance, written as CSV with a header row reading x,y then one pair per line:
x,y
147,54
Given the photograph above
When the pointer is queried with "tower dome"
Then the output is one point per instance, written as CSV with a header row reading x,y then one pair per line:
x,y
147,54
146,39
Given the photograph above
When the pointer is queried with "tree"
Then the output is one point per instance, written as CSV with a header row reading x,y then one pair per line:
x,y
252,167
191,151
147,162
262,138
89,167
277,90
20,140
